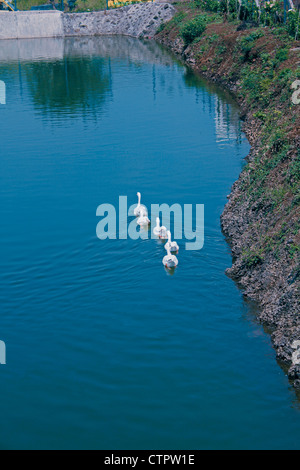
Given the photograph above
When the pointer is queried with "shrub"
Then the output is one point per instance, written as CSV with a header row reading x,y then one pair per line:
x,y
293,23
179,17
252,259
295,169
280,56
193,29
227,6
278,139
246,40
247,43
208,5
161,28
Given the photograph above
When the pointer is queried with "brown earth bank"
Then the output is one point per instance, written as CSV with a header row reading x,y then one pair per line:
x,y
262,217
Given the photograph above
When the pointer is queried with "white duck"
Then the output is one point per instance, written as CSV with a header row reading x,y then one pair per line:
x,y
173,247
160,231
143,219
140,207
170,261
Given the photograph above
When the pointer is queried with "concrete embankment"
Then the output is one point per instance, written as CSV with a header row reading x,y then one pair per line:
x,y
136,20
22,24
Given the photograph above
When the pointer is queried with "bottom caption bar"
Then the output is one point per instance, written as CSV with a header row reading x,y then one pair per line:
x,y
144,458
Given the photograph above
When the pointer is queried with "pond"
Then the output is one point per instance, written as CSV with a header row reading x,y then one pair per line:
x,y
106,349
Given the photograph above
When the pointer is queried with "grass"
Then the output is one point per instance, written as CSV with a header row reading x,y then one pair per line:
x,y
81,5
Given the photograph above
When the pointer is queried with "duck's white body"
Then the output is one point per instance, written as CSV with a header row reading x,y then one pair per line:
x,y
172,246
143,219
170,261
140,207
160,231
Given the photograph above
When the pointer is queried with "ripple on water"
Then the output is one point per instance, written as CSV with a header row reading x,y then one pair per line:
x,y
106,348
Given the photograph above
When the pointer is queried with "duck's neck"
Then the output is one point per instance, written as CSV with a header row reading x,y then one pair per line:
x,y
169,237
139,199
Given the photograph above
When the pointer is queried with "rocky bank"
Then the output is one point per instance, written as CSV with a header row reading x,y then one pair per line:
x,y
261,218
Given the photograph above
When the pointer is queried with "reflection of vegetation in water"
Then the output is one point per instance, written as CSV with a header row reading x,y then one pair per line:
x,y
70,85
219,103
74,75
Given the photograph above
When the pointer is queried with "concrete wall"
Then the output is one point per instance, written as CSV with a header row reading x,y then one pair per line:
x,y
139,20
23,24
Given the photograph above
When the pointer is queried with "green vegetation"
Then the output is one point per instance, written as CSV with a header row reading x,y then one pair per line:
x,y
270,14
258,62
73,5
252,259
87,90
81,5
193,29
293,24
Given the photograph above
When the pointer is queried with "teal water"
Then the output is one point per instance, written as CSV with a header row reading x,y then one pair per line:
x,y
105,349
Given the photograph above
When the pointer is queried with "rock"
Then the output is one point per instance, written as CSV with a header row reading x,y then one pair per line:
x,y
297,384
294,372
137,20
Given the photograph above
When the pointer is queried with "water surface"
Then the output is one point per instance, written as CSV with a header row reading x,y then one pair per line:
x,y
104,348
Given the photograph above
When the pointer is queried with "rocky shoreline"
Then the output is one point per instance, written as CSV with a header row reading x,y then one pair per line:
x,y
268,275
